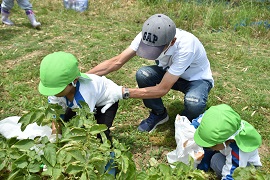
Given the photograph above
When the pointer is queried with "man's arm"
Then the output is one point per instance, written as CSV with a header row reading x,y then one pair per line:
x,y
157,91
114,63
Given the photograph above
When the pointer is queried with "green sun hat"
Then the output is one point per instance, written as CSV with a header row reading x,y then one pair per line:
x,y
57,70
220,123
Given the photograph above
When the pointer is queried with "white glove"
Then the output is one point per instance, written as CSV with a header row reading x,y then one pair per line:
x,y
113,94
52,137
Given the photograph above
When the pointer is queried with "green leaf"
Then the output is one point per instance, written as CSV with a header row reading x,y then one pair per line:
x,y
78,131
21,162
153,162
37,117
74,169
83,176
165,169
90,172
12,141
48,172
24,144
142,176
2,153
107,177
56,173
13,174
97,128
64,157
197,174
20,176
44,140
25,120
34,167
14,154
124,161
117,153
3,163
33,177
77,154
50,154
99,164
76,138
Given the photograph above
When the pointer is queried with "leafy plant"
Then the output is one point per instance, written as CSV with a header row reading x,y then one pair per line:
x,y
250,173
235,35
78,153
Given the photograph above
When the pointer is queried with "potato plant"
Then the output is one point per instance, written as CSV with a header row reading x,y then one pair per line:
x,y
78,154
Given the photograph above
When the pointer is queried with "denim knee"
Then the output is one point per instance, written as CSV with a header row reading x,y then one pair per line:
x,y
194,106
141,77
148,76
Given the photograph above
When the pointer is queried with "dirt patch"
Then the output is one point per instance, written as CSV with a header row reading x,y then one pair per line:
x,y
142,159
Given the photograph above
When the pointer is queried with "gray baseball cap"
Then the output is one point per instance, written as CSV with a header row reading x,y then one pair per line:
x,y
157,31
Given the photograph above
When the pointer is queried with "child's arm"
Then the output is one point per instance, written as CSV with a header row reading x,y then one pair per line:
x,y
197,121
54,128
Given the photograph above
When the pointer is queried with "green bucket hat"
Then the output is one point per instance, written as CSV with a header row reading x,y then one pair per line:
x,y
220,123
57,70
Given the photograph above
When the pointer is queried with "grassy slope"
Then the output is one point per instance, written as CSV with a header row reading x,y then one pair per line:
x,y
239,59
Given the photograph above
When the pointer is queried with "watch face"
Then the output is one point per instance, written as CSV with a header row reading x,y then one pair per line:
x,y
126,94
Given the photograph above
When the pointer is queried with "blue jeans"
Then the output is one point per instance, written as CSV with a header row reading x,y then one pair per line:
x,y
7,5
196,92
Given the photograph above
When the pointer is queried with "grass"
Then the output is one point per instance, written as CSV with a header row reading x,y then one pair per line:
x,y
237,48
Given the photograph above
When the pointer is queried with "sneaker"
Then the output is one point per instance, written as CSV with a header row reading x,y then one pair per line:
x,y
152,121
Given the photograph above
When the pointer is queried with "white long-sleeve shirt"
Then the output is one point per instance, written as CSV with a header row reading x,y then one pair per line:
x,y
93,91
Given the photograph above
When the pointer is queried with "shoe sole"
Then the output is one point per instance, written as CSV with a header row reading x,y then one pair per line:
x,y
160,122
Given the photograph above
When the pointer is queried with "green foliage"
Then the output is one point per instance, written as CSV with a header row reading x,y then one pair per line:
x,y
78,154
250,173
236,43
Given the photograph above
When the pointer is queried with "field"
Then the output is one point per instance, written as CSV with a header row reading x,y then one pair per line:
x,y
236,36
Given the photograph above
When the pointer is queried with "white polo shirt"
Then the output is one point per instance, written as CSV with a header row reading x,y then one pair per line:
x,y
186,58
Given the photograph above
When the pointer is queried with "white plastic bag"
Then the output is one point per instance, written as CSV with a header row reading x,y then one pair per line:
x,y
77,5
9,127
186,146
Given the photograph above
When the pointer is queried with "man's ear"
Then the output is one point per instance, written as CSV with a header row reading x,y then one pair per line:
x,y
173,41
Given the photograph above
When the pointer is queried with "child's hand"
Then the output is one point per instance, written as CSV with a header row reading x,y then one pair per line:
x,y
114,96
113,93
52,137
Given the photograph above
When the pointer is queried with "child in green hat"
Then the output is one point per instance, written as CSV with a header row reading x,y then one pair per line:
x,y
64,84
237,142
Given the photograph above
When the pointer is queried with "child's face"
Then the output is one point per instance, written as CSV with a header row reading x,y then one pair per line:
x,y
66,91
218,147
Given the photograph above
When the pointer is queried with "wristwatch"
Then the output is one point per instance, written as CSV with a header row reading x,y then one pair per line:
x,y
126,93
